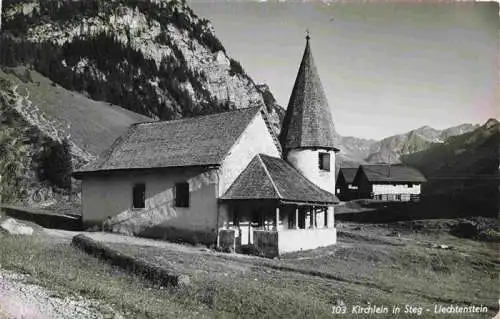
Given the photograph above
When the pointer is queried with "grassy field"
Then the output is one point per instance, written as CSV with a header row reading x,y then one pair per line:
x,y
361,269
367,267
67,271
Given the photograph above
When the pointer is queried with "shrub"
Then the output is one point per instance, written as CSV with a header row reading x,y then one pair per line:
x,y
55,164
212,43
235,67
465,229
477,228
490,235
251,250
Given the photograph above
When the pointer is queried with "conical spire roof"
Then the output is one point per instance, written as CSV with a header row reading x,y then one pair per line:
x,y
308,121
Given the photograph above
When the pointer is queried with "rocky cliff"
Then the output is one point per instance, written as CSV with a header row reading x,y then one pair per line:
x,y
153,57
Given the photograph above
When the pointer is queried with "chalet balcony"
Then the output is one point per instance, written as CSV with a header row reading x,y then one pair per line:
x,y
397,197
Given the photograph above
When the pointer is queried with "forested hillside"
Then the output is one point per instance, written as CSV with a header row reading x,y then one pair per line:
x,y
464,170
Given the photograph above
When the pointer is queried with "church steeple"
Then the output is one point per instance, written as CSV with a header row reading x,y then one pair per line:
x,y
308,121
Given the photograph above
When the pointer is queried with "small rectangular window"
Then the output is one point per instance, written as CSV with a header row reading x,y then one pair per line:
x,y
182,195
324,161
139,195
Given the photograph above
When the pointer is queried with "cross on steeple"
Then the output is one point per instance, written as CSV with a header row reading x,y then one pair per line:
x,y
308,37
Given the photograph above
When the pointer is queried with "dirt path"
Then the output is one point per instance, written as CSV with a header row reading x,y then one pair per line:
x,y
19,299
60,235
112,238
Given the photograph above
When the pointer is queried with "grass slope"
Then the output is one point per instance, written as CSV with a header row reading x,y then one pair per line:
x,y
66,271
94,125
365,267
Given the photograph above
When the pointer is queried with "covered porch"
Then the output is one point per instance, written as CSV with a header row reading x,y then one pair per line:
x,y
274,209
274,227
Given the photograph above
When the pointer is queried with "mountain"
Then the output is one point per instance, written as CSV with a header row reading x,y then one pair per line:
x,y
464,170
390,149
78,73
474,152
353,150
156,58
458,130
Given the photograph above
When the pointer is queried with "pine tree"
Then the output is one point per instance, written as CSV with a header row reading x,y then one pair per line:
x,y
56,166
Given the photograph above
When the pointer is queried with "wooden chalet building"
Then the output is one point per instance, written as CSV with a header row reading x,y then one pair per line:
x,y
389,182
346,190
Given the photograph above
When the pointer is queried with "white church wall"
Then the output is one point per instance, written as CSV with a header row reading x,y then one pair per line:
x,y
254,140
306,161
109,198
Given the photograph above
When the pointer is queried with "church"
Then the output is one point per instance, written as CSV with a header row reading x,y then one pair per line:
x,y
224,179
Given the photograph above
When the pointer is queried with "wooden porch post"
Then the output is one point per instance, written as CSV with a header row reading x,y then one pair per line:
x,y
315,216
277,218
331,217
325,211
297,217
249,232
230,217
311,217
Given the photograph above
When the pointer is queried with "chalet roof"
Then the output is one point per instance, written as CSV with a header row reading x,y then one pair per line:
x,y
392,173
349,173
268,177
197,141
308,121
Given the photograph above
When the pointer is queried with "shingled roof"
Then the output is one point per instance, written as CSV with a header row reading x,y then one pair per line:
x,y
268,177
308,121
349,173
392,173
197,141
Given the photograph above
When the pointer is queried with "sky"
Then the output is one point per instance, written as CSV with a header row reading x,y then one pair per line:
x,y
386,68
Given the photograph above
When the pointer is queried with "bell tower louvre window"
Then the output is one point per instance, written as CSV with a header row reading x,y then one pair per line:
x,y
324,161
